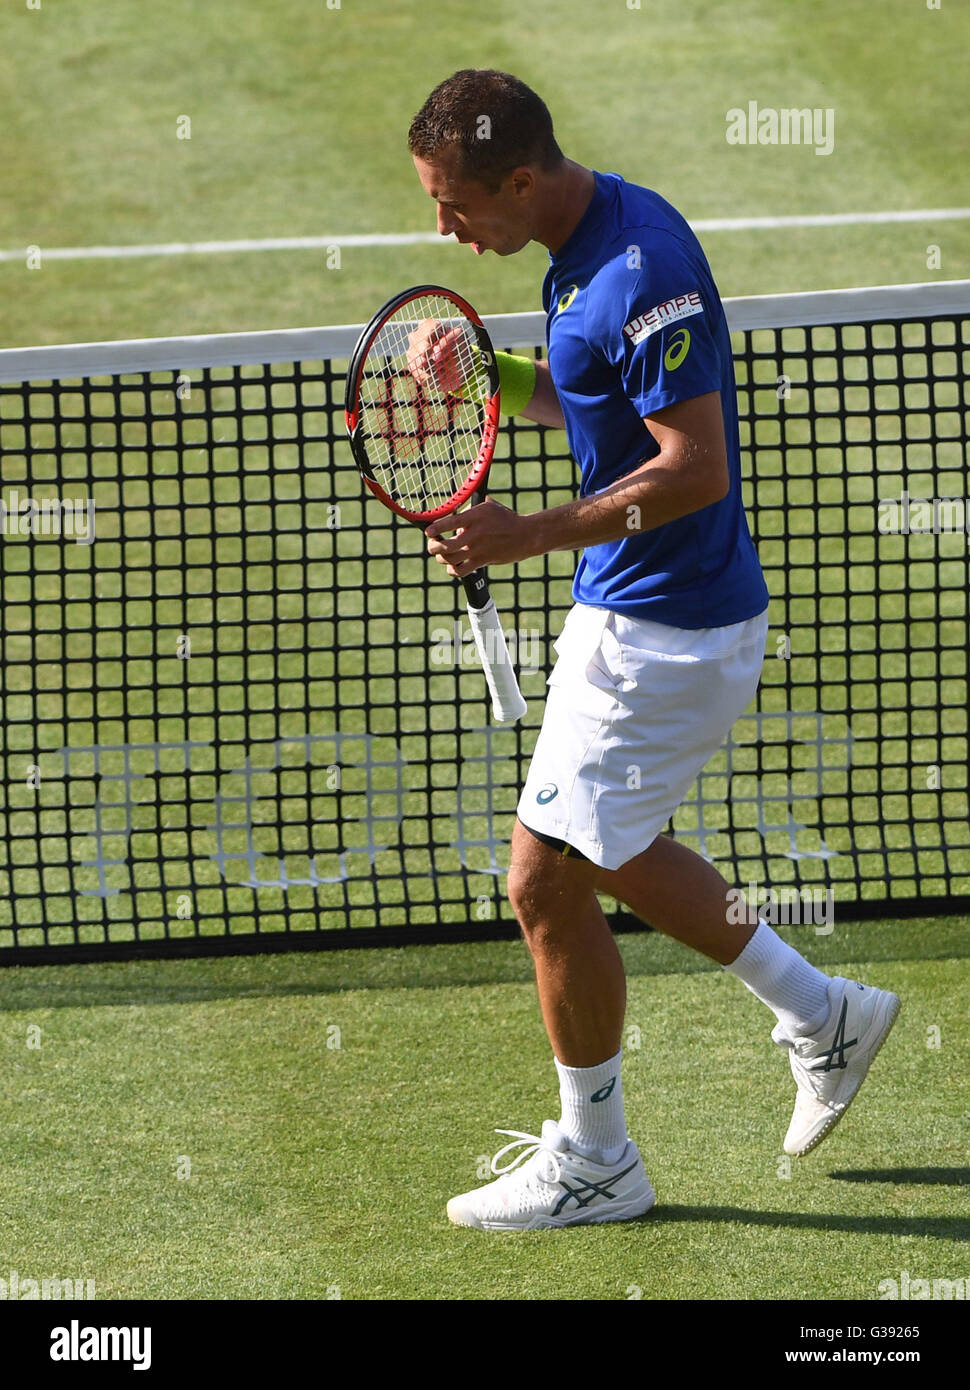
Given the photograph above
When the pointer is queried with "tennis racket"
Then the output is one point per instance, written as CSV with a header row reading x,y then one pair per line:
x,y
422,413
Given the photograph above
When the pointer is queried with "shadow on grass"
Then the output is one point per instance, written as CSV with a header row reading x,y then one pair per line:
x,y
938,1227
117,984
941,1177
457,965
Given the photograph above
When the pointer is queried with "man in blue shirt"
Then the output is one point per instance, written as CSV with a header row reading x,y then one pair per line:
x,y
660,654
636,325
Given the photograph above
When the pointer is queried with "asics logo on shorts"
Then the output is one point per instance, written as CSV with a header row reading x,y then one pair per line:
x,y
548,793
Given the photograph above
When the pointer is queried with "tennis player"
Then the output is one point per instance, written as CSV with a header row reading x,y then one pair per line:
x,y
657,659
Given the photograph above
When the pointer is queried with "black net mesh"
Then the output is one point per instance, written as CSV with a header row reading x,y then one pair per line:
x,y
249,713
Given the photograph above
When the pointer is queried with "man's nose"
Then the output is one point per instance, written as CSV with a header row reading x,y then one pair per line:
x,y
446,222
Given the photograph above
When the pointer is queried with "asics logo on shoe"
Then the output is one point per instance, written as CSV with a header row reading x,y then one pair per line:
x,y
827,1060
584,1192
604,1092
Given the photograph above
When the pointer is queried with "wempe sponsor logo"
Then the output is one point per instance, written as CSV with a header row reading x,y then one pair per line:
x,y
682,306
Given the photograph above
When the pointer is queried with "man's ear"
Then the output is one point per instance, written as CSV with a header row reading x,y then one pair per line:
x,y
522,181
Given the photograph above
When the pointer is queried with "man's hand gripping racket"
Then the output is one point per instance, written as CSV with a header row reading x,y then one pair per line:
x,y
422,413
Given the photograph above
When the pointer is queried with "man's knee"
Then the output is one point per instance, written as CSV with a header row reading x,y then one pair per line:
x,y
531,889
544,886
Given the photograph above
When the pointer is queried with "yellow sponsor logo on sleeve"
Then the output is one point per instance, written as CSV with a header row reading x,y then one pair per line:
x,y
566,299
677,349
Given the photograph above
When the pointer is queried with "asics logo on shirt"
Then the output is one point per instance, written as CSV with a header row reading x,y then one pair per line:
x,y
677,350
566,299
548,794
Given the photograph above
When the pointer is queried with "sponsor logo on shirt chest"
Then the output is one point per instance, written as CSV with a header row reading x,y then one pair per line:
x,y
682,306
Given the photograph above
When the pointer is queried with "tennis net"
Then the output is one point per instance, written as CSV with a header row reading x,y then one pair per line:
x,y
241,711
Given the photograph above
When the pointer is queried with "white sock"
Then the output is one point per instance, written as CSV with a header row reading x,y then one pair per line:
x,y
592,1109
776,974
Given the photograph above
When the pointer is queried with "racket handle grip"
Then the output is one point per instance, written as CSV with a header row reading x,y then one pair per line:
x,y
507,702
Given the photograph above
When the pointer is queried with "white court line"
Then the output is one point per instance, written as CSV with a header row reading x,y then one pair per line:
x,y
323,243
830,219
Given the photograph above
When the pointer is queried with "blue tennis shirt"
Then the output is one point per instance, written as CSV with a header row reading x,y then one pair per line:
x,y
634,324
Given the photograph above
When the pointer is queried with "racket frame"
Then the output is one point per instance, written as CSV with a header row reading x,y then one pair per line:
x,y
507,702
474,484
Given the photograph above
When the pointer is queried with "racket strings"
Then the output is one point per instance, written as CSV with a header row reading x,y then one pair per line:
x,y
422,414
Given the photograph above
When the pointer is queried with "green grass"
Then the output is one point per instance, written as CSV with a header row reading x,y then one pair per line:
x,y
312,1166
298,127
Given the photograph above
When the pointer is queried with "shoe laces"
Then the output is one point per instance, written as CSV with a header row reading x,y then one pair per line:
x,y
801,1053
548,1167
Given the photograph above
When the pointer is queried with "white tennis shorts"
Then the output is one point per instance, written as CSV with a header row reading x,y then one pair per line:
x,y
635,711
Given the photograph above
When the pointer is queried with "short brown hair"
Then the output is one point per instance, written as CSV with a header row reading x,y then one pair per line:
x,y
492,119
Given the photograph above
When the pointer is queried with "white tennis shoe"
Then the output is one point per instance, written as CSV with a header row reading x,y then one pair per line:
x,y
830,1067
549,1185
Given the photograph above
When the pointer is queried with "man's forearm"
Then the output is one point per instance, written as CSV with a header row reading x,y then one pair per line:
x,y
689,473
544,407
650,496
